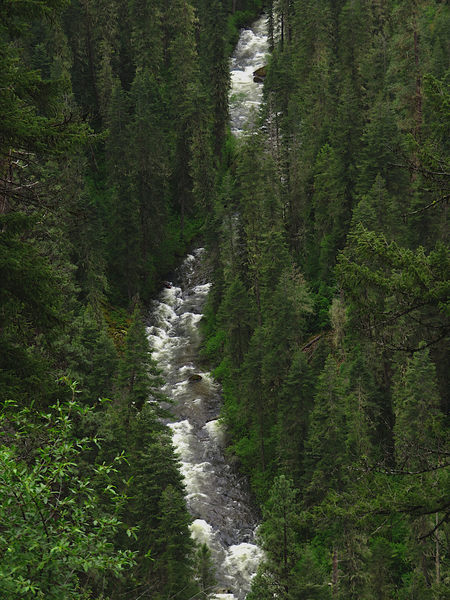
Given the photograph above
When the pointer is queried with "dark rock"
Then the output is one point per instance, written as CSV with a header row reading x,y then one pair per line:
x,y
194,377
260,74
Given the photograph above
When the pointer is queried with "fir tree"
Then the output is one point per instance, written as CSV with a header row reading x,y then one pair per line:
x,y
138,378
278,539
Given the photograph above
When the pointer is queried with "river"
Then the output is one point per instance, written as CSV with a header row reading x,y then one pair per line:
x,y
217,496
246,95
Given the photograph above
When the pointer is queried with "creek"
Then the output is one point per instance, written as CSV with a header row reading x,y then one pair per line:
x,y
217,497
245,94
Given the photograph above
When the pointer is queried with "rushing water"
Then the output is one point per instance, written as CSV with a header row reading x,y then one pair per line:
x,y
245,94
217,498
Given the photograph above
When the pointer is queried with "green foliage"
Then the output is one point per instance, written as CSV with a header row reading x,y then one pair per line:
x,y
405,291
335,377
325,453
289,570
91,356
56,534
329,320
30,308
418,419
138,377
155,508
90,224
278,534
177,544
205,571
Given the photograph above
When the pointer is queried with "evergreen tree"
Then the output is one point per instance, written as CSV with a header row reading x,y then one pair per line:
x,y
236,316
138,378
177,555
185,93
92,357
347,163
293,415
418,419
214,65
278,540
205,571
325,449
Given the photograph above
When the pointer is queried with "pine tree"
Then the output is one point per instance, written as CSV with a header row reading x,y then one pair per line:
x,y
293,415
147,35
123,251
311,576
205,571
325,448
138,378
175,565
214,65
92,357
328,204
149,172
236,315
278,540
185,93
31,307
418,428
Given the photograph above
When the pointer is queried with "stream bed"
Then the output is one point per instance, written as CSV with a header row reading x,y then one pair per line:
x,y
217,496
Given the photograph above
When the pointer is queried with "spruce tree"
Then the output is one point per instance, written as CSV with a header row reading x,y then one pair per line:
x,y
325,448
175,565
277,534
138,378
205,571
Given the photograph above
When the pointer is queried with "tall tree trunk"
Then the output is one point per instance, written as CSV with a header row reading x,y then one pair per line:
x,y
6,174
285,555
437,556
91,57
262,449
335,576
418,96
270,26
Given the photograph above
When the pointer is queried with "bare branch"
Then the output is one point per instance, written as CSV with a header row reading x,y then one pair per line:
x,y
444,519
421,210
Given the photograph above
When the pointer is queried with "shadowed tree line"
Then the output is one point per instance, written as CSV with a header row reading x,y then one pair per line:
x,y
112,119
328,319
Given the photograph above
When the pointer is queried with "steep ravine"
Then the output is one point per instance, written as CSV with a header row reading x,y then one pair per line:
x,y
245,94
217,498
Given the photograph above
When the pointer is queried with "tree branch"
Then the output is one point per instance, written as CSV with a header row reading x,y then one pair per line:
x,y
420,210
444,519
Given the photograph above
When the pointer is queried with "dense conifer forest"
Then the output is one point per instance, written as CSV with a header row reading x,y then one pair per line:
x,y
327,323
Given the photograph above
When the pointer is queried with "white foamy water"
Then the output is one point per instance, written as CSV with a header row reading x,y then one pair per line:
x,y
246,95
242,561
216,497
216,432
202,531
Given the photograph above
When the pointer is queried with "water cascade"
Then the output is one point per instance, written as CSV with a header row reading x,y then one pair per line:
x,y
245,94
217,497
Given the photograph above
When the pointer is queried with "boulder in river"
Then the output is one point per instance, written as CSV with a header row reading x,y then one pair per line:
x,y
260,74
194,378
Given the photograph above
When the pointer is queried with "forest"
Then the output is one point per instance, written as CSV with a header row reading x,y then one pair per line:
x,y
327,324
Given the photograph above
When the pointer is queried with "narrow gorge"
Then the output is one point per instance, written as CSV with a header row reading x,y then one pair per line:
x,y
217,497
